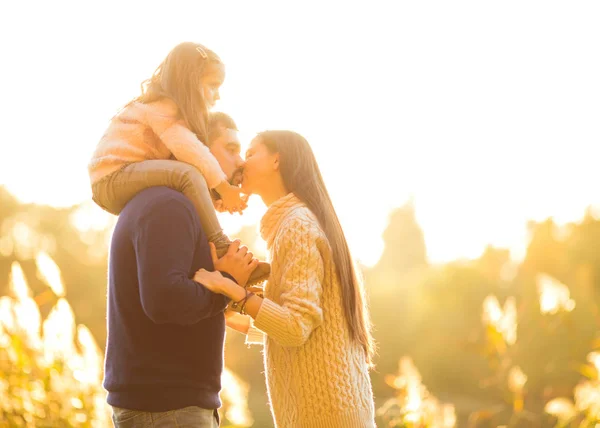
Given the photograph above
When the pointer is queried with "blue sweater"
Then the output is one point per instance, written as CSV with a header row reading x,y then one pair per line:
x,y
165,332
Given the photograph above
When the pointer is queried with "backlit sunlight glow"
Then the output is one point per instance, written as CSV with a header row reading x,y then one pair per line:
x,y
6,246
89,217
7,320
554,295
448,416
17,285
594,358
25,240
562,408
413,397
20,318
235,396
50,273
28,314
476,112
463,133
516,379
25,309
20,237
59,332
414,404
587,397
89,366
504,320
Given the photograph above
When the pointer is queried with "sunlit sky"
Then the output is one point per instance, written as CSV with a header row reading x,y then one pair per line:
x,y
486,113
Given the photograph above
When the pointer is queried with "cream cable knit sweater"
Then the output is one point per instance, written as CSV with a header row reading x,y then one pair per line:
x,y
151,131
317,377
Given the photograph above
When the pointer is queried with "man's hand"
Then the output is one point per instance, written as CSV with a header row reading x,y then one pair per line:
x,y
237,262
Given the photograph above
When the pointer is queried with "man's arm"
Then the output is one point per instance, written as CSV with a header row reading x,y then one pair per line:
x,y
165,244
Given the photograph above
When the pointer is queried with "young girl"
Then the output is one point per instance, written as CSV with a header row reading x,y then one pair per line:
x,y
158,140
318,344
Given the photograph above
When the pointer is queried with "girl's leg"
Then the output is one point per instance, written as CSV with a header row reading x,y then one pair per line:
x,y
116,190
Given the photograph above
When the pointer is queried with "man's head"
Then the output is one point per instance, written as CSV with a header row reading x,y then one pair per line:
x,y
224,144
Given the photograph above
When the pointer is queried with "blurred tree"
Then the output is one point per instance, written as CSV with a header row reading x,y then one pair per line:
x,y
583,252
545,252
552,348
404,242
27,229
430,313
393,295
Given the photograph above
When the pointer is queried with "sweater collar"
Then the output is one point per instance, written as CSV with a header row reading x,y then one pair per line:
x,y
269,224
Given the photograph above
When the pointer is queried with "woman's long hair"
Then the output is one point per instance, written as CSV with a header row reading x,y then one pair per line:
x,y
178,78
301,176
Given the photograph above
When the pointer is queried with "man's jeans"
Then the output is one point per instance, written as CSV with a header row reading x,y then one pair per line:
x,y
188,417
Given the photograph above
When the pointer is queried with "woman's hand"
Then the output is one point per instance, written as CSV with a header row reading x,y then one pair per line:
x,y
259,290
214,281
237,321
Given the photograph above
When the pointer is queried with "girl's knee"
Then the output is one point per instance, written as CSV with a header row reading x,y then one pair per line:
x,y
194,177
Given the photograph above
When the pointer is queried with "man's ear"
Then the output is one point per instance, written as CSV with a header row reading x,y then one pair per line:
x,y
215,134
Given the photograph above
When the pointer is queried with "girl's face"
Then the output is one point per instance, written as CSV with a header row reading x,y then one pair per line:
x,y
211,81
260,168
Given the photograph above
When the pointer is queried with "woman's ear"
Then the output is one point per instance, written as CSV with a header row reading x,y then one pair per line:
x,y
276,162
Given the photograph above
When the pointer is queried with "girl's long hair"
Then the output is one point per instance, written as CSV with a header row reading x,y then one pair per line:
x,y
178,78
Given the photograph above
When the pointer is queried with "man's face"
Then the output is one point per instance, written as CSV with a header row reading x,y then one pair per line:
x,y
226,148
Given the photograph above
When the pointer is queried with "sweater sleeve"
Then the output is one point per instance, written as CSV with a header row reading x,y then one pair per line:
x,y
254,335
298,312
165,244
185,146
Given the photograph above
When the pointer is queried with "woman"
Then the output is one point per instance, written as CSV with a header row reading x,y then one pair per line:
x,y
318,345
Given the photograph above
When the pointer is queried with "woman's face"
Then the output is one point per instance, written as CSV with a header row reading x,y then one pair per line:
x,y
211,81
260,168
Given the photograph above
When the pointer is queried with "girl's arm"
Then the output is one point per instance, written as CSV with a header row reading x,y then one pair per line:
x,y
187,148
183,143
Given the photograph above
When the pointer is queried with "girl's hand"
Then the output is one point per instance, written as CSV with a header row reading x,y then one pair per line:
x,y
231,197
214,281
218,204
237,261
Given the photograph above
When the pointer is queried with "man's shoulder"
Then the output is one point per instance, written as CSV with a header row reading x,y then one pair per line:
x,y
160,201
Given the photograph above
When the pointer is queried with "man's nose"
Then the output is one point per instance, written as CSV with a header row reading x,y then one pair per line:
x,y
239,162
217,96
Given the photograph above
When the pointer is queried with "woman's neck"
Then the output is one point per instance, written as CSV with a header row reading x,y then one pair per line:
x,y
274,193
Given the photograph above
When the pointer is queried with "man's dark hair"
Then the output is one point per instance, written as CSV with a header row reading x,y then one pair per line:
x,y
214,120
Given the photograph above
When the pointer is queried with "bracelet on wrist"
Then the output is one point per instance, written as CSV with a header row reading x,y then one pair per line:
x,y
243,308
236,306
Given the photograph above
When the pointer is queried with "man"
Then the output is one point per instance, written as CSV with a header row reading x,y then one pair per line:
x,y
224,144
164,353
